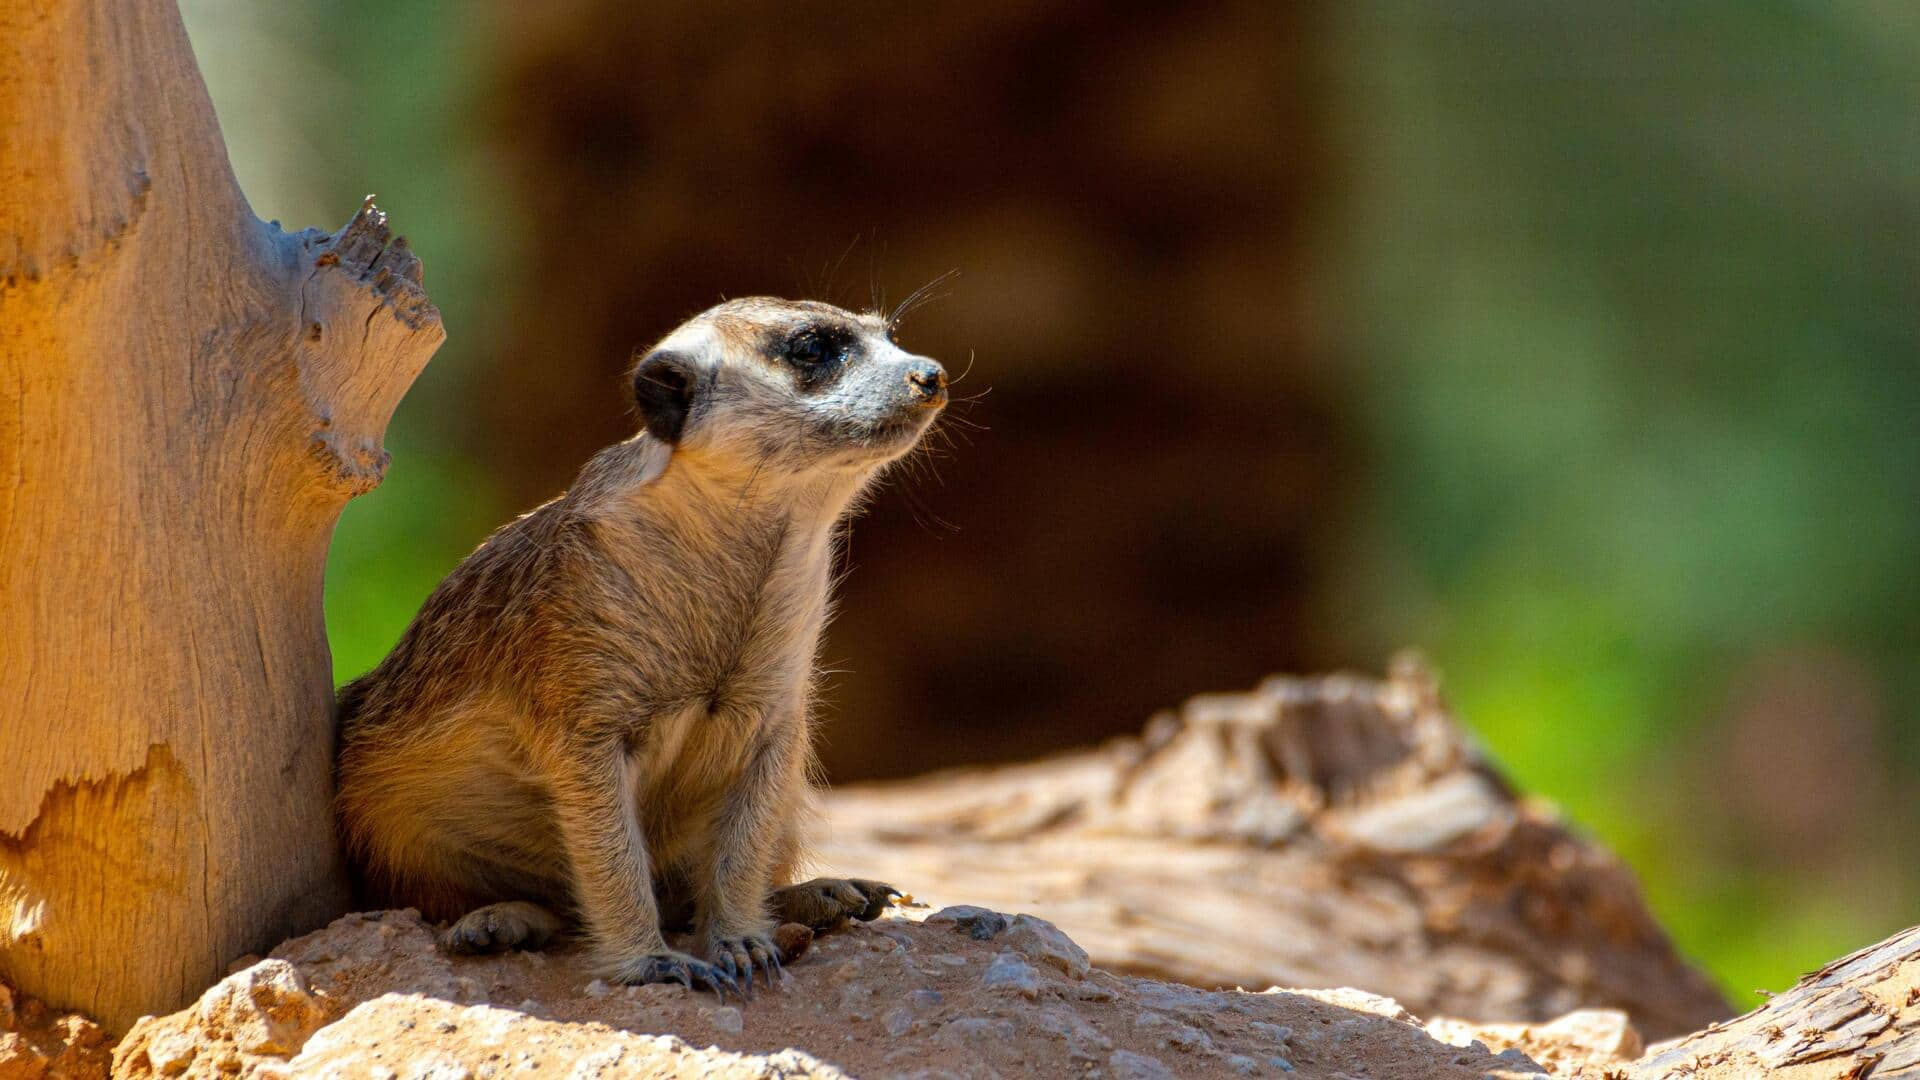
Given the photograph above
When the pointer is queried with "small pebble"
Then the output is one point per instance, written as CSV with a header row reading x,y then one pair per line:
x,y
597,988
1127,1065
727,1019
897,1021
1516,1059
977,1031
1279,1033
1043,942
976,922
1011,972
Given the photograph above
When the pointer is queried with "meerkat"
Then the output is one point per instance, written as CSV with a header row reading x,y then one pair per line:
x,y
600,720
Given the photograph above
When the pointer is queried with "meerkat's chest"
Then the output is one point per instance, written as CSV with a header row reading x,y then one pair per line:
x,y
727,632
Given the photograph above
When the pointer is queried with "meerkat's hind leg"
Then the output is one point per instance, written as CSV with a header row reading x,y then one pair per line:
x,y
825,903
514,924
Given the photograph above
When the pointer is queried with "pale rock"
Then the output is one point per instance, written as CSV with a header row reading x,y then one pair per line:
x,y
856,1002
977,1031
1009,972
1517,1060
897,1022
1172,1033
1360,1001
265,1009
1127,1065
978,923
171,1053
1042,942
1279,1033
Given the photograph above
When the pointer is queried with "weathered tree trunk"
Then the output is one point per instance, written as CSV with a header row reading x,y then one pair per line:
x,y
187,399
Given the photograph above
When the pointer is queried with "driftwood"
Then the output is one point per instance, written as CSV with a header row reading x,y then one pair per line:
x,y
1314,833
1858,1016
188,397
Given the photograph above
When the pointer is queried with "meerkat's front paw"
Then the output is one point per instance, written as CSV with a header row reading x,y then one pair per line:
x,y
824,903
738,957
516,924
672,967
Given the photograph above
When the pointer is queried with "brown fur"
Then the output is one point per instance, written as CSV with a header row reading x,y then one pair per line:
x,y
605,708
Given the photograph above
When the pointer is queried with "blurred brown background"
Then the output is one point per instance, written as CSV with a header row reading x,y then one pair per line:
x,y
1574,344
1122,195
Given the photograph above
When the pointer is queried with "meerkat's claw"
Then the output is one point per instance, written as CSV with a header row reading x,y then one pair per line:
x,y
826,903
739,956
880,896
731,968
675,967
515,924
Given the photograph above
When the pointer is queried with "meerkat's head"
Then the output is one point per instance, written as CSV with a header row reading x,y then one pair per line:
x,y
788,386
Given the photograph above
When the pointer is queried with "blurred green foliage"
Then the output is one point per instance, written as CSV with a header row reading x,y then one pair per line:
x,y
322,104
1632,287
1627,295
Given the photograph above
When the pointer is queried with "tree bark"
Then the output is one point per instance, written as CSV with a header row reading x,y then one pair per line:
x,y
1858,1016
188,397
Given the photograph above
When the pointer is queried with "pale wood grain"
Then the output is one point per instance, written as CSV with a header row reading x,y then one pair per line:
x,y
1314,833
188,397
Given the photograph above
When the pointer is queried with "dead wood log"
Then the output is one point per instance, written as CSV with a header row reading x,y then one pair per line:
x,y
1314,833
1858,1016
188,397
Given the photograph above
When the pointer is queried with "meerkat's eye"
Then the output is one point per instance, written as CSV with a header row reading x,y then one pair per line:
x,y
814,348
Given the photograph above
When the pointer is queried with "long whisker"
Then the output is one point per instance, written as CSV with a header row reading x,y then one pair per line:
x,y
920,296
958,379
970,425
834,273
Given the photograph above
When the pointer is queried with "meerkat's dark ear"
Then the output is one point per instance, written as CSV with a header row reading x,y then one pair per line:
x,y
663,391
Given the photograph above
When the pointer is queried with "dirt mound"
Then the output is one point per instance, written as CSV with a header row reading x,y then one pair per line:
x,y
963,993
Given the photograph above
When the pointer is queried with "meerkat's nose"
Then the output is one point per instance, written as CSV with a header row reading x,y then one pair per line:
x,y
929,380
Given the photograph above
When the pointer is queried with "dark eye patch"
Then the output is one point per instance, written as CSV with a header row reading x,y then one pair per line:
x,y
817,353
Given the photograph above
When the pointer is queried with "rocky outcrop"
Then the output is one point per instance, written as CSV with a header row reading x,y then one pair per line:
x,y
964,992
